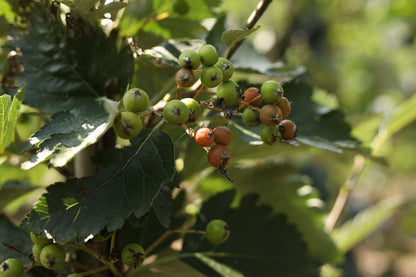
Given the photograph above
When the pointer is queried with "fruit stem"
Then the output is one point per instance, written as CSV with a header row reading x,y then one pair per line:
x,y
200,89
189,232
112,242
27,269
252,20
17,250
158,241
95,270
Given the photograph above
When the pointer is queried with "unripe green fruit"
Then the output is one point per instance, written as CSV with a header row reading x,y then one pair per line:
x,y
133,254
230,92
36,249
136,100
269,135
185,78
211,76
127,125
217,231
271,91
176,112
251,118
74,275
195,109
181,7
208,54
226,67
37,239
11,268
189,59
52,256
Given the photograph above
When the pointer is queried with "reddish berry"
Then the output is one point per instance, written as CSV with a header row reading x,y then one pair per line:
x,y
219,156
270,115
204,137
284,105
288,129
185,78
223,135
250,94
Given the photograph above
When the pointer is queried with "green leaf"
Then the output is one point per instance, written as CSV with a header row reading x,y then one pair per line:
x,y
162,205
67,66
232,37
176,28
86,8
291,195
10,191
365,223
9,112
15,237
133,16
80,207
69,132
261,241
214,35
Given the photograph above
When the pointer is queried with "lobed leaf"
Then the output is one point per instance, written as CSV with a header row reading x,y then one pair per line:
x,y
71,131
232,37
78,208
9,112
273,242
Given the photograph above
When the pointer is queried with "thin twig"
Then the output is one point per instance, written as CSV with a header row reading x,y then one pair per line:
x,y
158,241
251,22
95,270
344,192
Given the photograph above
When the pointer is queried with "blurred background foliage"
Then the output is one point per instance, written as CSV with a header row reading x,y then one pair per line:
x,y
360,56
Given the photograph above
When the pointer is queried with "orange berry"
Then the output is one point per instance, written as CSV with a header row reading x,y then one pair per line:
x,y
250,94
219,155
288,129
284,105
223,135
204,137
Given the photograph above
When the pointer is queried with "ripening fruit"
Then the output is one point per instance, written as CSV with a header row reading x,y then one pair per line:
x,y
226,67
127,125
36,252
74,275
230,92
217,231
185,78
195,109
176,112
136,100
11,268
204,137
271,91
288,129
39,240
251,118
211,76
253,93
181,7
219,156
284,105
269,135
208,54
189,59
52,256
223,135
270,115
133,254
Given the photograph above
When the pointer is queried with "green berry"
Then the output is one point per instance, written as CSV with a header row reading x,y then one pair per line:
x,y
271,91
269,135
74,275
181,7
176,112
127,125
133,254
189,59
208,54
36,249
136,100
226,67
52,256
251,118
195,109
230,92
211,76
217,231
37,239
185,78
11,268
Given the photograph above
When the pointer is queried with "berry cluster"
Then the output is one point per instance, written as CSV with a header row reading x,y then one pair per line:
x,y
46,253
